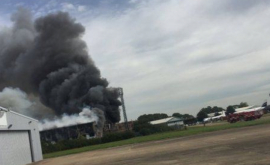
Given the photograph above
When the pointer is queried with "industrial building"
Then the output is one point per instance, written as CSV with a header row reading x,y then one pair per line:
x,y
68,132
118,127
19,139
169,121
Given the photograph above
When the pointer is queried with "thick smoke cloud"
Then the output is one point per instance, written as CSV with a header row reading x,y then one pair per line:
x,y
48,59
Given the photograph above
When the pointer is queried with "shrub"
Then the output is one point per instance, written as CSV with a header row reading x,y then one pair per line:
x,y
145,131
117,136
146,128
48,147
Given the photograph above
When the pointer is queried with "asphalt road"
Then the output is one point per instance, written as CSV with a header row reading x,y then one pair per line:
x,y
249,145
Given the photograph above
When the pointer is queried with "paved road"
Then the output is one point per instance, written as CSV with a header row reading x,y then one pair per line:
x,y
249,145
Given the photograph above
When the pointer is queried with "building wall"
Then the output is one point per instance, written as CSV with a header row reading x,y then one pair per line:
x,y
17,122
118,127
122,126
176,123
69,132
15,148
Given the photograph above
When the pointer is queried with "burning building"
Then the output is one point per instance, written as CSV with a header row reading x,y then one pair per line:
x,y
46,70
86,130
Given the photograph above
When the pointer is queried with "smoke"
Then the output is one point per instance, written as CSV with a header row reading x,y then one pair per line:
x,y
47,59
17,100
96,114
87,115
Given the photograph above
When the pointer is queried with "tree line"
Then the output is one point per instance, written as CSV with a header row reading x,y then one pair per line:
x,y
203,113
143,127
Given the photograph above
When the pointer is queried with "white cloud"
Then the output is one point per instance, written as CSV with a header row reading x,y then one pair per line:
x,y
73,8
68,6
171,55
81,8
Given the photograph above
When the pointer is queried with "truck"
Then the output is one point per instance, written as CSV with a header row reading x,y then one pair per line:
x,y
244,116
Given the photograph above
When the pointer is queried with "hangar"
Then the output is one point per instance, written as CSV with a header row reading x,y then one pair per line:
x,y
170,121
19,139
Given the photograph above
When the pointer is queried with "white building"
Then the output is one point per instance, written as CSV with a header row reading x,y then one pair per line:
x,y
19,139
255,108
243,109
211,117
170,121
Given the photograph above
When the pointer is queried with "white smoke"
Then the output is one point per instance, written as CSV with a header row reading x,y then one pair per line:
x,y
16,100
87,115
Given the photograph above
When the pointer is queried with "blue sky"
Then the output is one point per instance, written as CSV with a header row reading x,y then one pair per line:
x,y
173,56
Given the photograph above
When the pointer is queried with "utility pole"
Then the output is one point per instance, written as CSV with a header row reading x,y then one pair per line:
x,y
121,93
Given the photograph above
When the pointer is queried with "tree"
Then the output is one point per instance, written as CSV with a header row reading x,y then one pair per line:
x,y
187,116
151,117
216,109
201,115
243,104
209,109
177,115
142,123
230,110
184,116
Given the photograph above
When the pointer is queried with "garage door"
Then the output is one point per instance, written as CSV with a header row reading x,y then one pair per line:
x,y
15,148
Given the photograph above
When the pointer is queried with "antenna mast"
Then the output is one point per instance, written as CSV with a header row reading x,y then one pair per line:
x,y
121,93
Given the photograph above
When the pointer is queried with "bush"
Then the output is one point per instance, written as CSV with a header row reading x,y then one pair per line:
x,y
117,136
145,131
146,128
48,147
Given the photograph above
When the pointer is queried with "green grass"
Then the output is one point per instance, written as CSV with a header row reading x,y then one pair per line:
x,y
161,136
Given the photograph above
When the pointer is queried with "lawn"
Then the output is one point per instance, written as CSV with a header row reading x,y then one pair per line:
x,y
161,136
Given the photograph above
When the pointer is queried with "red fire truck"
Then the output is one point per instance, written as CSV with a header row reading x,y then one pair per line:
x,y
244,116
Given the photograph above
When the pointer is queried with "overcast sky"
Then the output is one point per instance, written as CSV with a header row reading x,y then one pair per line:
x,y
173,56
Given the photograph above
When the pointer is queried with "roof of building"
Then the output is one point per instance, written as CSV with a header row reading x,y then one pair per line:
x,y
3,109
250,109
18,114
30,118
211,114
166,120
244,108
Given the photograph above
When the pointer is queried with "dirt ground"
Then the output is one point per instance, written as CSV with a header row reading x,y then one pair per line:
x,y
249,145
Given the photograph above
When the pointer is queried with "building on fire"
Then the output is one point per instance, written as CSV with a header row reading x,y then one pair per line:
x,y
86,130
118,127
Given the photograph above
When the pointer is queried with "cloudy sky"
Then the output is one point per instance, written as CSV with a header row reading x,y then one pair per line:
x,y
173,56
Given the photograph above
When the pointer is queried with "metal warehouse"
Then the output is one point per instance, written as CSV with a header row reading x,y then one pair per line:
x,y
170,121
19,139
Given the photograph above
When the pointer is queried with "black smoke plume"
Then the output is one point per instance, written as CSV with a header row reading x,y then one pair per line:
x,y
48,59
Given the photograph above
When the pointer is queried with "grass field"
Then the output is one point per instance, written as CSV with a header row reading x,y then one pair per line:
x,y
161,136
